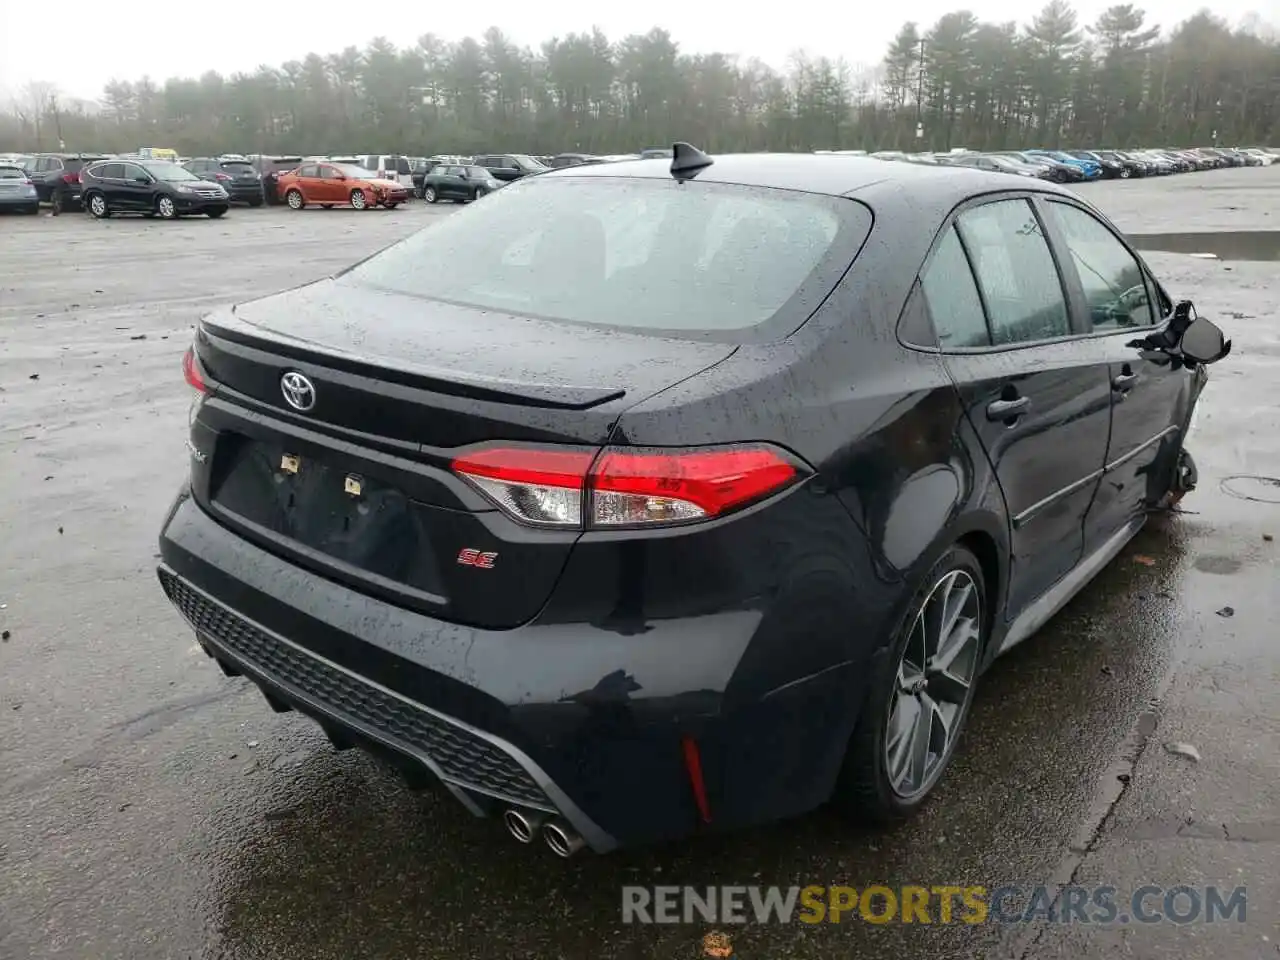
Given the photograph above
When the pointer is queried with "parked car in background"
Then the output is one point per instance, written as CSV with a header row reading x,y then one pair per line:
x,y
389,166
572,160
1091,168
474,501
270,168
1161,165
1116,165
999,164
238,177
1264,159
1112,168
339,184
1059,172
457,182
509,166
56,177
150,187
17,192
655,153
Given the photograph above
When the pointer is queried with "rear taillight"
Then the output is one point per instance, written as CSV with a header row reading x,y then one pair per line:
x,y
71,178
625,487
221,176
191,371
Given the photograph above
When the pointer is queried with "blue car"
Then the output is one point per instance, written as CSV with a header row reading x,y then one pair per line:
x,y
1091,168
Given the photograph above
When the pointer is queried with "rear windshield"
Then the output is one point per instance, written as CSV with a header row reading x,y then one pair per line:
x,y
698,260
237,166
12,173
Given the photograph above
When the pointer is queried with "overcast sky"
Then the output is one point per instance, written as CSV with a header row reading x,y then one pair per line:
x,y
95,43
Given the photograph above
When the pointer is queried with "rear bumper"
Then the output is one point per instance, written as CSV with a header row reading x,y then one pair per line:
x,y
244,193
11,201
586,721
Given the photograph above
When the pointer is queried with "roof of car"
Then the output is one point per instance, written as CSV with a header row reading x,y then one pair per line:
x,y
831,174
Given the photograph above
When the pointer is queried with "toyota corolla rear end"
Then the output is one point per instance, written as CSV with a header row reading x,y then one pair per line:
x,y
468,505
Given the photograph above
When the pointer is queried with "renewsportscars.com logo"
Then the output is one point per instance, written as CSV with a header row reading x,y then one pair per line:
x,y
880,904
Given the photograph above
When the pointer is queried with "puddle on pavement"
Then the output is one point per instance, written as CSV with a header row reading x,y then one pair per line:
x,y
1225,245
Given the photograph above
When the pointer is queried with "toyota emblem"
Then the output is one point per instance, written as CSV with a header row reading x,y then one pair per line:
x,y
299,392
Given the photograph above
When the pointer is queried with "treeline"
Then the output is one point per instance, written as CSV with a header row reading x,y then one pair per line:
x,y
961,82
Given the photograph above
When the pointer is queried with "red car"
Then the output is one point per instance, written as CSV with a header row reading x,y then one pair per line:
x,y
334,184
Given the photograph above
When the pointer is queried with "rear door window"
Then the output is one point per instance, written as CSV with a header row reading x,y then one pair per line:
x,y
952,296
1016,272
109,171
1112,278
402,166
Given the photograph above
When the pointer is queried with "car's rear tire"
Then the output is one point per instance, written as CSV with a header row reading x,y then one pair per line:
x,y
255,203
1059,176
358,200
392,205
1125,173
921,688
32,210
97,206
166,208
429,195
295,200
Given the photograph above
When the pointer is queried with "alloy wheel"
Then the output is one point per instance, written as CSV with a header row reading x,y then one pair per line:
x,y
429,194
295,200
167,210
97,205
933,684
357,199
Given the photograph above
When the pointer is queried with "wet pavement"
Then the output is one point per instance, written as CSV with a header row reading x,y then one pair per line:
x,y
151,808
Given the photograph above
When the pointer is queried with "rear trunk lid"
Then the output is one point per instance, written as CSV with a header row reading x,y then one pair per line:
x,y
358,485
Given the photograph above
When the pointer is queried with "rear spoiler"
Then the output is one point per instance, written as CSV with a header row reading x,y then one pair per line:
x,y
227,334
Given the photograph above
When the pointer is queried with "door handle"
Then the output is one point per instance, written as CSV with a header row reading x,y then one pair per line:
x,y
1124,382
1007,409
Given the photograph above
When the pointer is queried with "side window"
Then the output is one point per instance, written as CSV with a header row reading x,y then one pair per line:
x,y
952,296
402,166
309,170
109,171
131,170
1016,273
1112,279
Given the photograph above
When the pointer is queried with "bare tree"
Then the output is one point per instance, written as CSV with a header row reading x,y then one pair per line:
x,y
33,105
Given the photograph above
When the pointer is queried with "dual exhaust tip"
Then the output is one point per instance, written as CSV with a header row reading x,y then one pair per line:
x,y
525,825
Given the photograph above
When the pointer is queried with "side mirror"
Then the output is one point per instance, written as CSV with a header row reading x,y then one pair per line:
x,y
1204,342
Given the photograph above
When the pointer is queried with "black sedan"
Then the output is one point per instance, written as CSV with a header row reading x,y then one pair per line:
x,y
648,499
